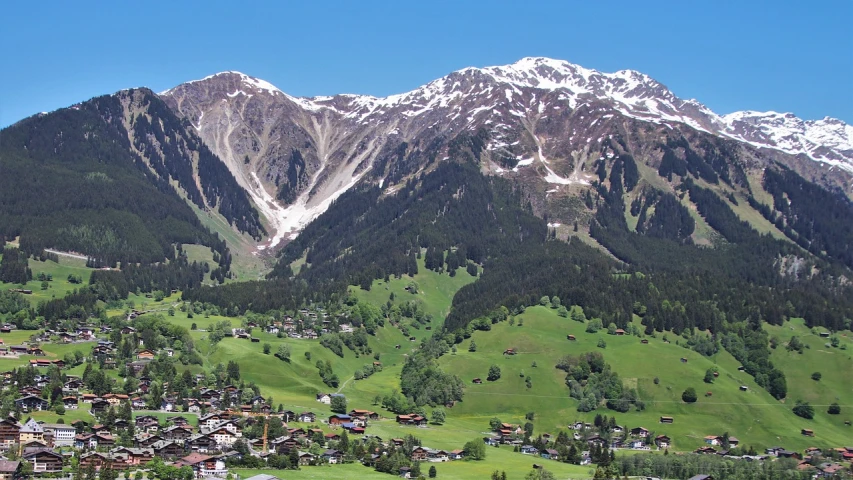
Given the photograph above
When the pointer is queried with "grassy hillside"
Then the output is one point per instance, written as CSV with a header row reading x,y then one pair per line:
x,y
752,416
59,286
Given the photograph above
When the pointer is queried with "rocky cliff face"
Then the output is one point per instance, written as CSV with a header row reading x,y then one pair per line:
x,y
546,123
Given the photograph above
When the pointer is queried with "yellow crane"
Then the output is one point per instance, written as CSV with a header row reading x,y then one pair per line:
x,y
266,424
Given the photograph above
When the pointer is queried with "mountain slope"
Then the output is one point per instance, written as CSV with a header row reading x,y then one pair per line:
x,y
106,178
546,124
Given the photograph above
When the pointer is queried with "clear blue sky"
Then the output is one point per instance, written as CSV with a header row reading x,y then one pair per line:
x,y
788,56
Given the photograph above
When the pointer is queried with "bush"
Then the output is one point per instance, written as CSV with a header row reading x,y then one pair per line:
x,y
267,348
494,373
816,376
804,410
602,343
689,395
834,409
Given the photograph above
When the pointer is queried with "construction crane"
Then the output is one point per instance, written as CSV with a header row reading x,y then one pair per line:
x,y
266,424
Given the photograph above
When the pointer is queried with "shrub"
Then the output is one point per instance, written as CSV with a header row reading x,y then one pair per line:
x,y
689,395
804,410
816,376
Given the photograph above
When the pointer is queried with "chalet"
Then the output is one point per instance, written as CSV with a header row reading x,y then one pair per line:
x,y
663,441
283,445
550,454
297,432
10,470
204,466
201,443
145,355
333,456
211,420
85,441
9,432
305,458
339,419
99,406
166,448
306,417
128,330
733,442
31,403
619,331
332,437
419,454
177,433
411,419
134,456
639,432
95,459
457,454
104,439
706,450
364,413
666,420
145,440
70,403
529,450
44,461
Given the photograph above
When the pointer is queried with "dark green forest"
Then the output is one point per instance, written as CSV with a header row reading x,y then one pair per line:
x,y
70,181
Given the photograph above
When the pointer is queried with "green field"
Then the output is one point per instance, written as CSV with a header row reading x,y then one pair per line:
x,y
59,286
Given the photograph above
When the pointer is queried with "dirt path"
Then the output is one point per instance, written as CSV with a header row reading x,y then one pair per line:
x,y
66,254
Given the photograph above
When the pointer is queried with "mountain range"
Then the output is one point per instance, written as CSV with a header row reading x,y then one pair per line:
x,y
254,161
547,121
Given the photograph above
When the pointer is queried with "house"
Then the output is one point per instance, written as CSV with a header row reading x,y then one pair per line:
x,y
145,355
100,405
167,448
31,403
807,432
31,430
364,413
305,458
733,442
550,454
706,450
306,417
713,440
10,470
63,435
663,441
457,454
94,459
419,454
619,331
639,432
204,466
9,432
339,419
666,419
70,403
333,456
529,450
44,461
134,456
201,443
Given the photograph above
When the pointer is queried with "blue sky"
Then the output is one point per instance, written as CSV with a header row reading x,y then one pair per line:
x,y
761,55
